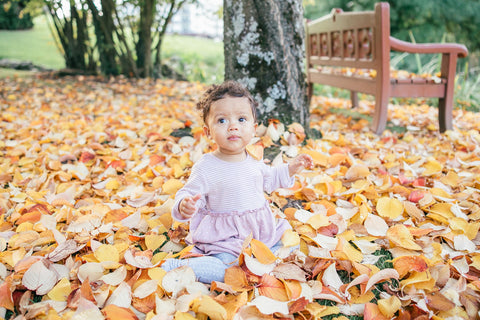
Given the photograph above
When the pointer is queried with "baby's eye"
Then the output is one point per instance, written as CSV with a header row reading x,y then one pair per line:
x,y
242,119
221,120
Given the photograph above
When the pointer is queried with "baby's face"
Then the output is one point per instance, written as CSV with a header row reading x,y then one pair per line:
x,y
231,125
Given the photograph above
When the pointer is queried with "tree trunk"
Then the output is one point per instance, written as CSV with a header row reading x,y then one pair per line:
x,y
263,44
144,44
104,26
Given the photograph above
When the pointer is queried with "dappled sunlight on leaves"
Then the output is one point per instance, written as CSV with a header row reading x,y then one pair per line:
x,y
382,226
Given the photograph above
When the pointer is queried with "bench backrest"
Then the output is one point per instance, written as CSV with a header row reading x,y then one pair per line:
x,y
350,39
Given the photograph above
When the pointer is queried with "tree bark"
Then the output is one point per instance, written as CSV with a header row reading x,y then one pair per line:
x,y
263,46
103,24
144,44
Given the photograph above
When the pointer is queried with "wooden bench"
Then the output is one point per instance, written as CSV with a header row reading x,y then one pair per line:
x,y
342,41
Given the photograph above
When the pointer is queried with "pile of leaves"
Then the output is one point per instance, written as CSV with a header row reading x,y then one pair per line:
x,y
386,226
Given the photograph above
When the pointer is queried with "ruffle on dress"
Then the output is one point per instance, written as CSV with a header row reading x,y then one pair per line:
x,y
213,232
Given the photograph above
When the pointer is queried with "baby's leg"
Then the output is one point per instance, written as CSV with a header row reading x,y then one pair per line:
x,y
227,258
281,251
206,268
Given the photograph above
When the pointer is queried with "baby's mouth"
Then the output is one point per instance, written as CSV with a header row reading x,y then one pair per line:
x,y
233,138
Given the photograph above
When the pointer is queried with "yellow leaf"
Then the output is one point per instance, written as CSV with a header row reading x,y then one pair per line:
x,y
432,167
316,309
210,307
157,182
256,151
154,241
61,290
177,170
389,207
262,252
389,306
156,273
183,316
235,302
451,179
171,186
401,237
318,220
357,171
107,252
420,280
442,209
351,252
290,238
185,161
112,184
318,158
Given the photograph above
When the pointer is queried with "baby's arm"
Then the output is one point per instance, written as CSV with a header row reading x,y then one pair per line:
x,y
300,162
187,206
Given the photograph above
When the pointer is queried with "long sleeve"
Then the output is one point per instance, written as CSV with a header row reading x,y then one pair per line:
x,y
277,177
196,184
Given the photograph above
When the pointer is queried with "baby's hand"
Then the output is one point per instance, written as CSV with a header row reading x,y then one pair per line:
x,y
301,162
187,206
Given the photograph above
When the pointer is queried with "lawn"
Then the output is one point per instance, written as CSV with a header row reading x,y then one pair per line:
x,y
199,59
35,45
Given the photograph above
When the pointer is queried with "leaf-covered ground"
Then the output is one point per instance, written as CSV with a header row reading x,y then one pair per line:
x,y
387,225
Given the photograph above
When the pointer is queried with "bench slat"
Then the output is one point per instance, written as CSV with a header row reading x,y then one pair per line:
x,y
361,40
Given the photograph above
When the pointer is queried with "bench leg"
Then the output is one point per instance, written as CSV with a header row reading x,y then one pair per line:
x,y
445,108
445,104
354,98
380,115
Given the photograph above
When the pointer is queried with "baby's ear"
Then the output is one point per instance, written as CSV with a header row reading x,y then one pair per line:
x,y
206,130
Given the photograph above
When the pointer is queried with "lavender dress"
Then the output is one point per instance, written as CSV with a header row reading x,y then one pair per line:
x,y
233,204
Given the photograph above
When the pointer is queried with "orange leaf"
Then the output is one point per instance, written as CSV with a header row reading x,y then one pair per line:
x,y
6,299
256,151
401,237
86,156
262,252
86,290
33,216
437,301
234,302
372,312
117,164
293,289
405,264
236,278
113,312
273,288
298,305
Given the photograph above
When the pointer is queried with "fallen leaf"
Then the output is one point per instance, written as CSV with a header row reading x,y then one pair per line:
x,y
262,252
39,278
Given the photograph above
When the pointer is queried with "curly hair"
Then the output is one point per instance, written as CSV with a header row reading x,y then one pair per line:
x,y
228,88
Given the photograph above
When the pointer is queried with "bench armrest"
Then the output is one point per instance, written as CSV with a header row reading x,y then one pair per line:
x,y
399,45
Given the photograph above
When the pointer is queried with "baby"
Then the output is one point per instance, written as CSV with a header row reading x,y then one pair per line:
x,y
224,197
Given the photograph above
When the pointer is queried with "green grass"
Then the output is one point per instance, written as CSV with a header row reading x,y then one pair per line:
x,y
35,45
199,59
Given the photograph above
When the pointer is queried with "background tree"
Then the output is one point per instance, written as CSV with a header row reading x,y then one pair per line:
x,y
128,34
263,45
14,15
70,27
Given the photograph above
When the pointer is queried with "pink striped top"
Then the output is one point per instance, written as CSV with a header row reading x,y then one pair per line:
x,y
232,204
